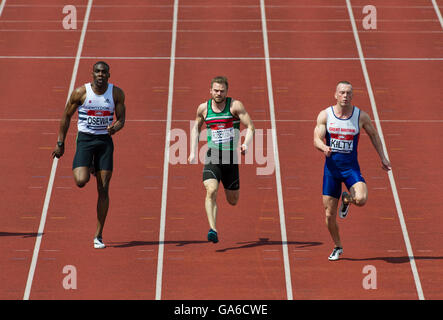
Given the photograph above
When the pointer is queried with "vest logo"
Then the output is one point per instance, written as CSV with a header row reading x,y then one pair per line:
x,y
107,100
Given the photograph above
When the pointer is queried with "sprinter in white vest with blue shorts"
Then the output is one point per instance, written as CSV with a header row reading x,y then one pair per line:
x,y
337,135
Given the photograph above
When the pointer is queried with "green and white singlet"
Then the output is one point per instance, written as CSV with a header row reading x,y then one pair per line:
x,y
223,128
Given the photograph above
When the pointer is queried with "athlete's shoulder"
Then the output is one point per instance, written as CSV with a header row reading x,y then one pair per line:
x,y
235,102
323,115
237,105
116,89
363,115
78,94
202,106
201,109
80,90
118,93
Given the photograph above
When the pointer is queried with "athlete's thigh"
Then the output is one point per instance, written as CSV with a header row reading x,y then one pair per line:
x,y
230,177
331,186
104,154
211,171
84,151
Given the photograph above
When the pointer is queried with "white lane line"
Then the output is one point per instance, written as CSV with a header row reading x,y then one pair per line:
x,y
390,174
227,20
225,31
2,6
423,121
437,11
221,5
281,208
228,58
161,237
41,227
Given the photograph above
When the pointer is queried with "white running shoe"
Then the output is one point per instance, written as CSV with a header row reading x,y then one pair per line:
x,y
344,208
335,255
98,243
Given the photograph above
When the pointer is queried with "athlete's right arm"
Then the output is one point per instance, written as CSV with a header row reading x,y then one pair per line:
x,y
320,133
195,132
75,100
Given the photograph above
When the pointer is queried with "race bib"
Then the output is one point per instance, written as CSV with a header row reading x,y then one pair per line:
x,y
97,118
222,135
342,143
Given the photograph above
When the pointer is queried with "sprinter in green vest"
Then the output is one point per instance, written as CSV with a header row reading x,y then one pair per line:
x,y
222,116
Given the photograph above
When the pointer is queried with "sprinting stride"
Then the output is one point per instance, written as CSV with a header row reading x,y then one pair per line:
x,y
337,135
97,103
223,116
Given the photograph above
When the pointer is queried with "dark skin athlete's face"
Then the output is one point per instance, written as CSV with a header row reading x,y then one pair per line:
x,y
100,76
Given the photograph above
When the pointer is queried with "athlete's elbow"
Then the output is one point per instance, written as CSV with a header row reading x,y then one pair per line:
x,y
251,128
316,144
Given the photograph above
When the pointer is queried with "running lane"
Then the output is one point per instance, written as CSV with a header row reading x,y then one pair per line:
x,y
247,263
126,269
316,40
31,91
408,95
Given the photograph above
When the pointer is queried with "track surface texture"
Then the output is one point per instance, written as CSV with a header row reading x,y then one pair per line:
x,y
283,59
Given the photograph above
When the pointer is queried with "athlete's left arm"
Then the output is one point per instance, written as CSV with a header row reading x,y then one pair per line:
x,y
366,124
240,112
120,111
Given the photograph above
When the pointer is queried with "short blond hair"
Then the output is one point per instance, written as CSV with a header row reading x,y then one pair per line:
x,y
220,80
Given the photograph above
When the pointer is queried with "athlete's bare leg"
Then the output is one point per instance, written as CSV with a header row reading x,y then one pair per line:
x,y
211,186
81,176
232,196
331,204
103,180
359,194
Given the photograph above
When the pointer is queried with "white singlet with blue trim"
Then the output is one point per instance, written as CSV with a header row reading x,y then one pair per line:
x,y
342,136
97,112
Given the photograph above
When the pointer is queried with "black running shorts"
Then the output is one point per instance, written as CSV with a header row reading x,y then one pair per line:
x,y
223,167
89,147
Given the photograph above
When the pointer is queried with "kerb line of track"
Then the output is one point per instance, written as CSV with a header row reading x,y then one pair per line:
x,y
161,237
41,227
437,12
281,208
390,174
2,6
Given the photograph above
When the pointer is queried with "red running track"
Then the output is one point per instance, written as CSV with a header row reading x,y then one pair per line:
x,y
248,262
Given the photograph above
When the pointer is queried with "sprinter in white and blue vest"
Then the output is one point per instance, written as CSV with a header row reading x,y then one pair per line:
x,y
337,135
97,104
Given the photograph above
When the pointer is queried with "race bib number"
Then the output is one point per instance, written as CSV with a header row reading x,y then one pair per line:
x,y
222,135
97,121
342,145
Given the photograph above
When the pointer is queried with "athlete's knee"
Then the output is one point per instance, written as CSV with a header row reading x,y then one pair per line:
x,y
211,192
103,188
81,177
330,215
81,181
360,199
232,198
330,206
